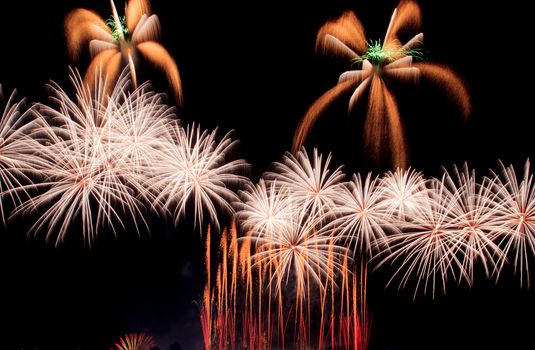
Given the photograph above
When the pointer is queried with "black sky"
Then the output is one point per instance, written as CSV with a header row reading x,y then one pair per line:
x,y
250,67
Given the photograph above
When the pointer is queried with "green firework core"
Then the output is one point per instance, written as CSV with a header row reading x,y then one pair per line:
x,y
116,32
379,55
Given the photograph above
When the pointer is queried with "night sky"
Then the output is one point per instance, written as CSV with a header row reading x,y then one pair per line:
x,y
251,68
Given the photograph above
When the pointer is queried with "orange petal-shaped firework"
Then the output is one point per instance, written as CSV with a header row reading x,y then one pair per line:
x,y
452,84
318,108
406,16
347,29
383,125
81,26
134,10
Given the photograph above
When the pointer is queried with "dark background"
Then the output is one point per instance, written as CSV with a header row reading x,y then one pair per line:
x,y
250,67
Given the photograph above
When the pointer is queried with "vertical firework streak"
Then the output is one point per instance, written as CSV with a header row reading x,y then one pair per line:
x,y
251,306
379,63
288,271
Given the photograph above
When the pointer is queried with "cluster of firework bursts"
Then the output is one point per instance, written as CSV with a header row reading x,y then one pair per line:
x,y
107,160
292,269
308,238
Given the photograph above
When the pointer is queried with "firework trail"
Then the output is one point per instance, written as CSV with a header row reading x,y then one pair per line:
x,y
380,62
120,39
242,307
193,168
135,341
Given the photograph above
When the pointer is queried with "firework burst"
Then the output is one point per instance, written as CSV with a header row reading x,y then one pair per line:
x,y
475,208
515,232
309,181
265,208
135,341
380,62
85,162
118,39
19,134
403,191
361,217
427,247
194,168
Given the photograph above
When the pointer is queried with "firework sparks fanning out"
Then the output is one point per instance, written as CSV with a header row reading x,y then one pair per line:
x,y
83,164
19,133
193,167
380,62
361,216
516,230
403,191
309,181
135,341
475,220
429,243
103,158
120,38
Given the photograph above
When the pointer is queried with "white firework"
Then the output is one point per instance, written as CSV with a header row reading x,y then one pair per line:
x,y
265,209
426,249
403,191
309,181
475,210
194,169
298,252
19,132
361,218
515,233
83,158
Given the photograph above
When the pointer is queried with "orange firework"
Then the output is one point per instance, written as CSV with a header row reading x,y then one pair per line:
x,y
120,40
379,63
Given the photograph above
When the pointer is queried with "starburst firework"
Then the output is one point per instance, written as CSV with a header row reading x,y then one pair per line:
x,y
194,168
380,62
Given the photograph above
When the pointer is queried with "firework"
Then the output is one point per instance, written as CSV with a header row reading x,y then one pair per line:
x,y
88,164
427,248
475,210
379,62
297,250
515,232
309,181
119,38
265,208
361,217
403,191
135,341
194,168
19,132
